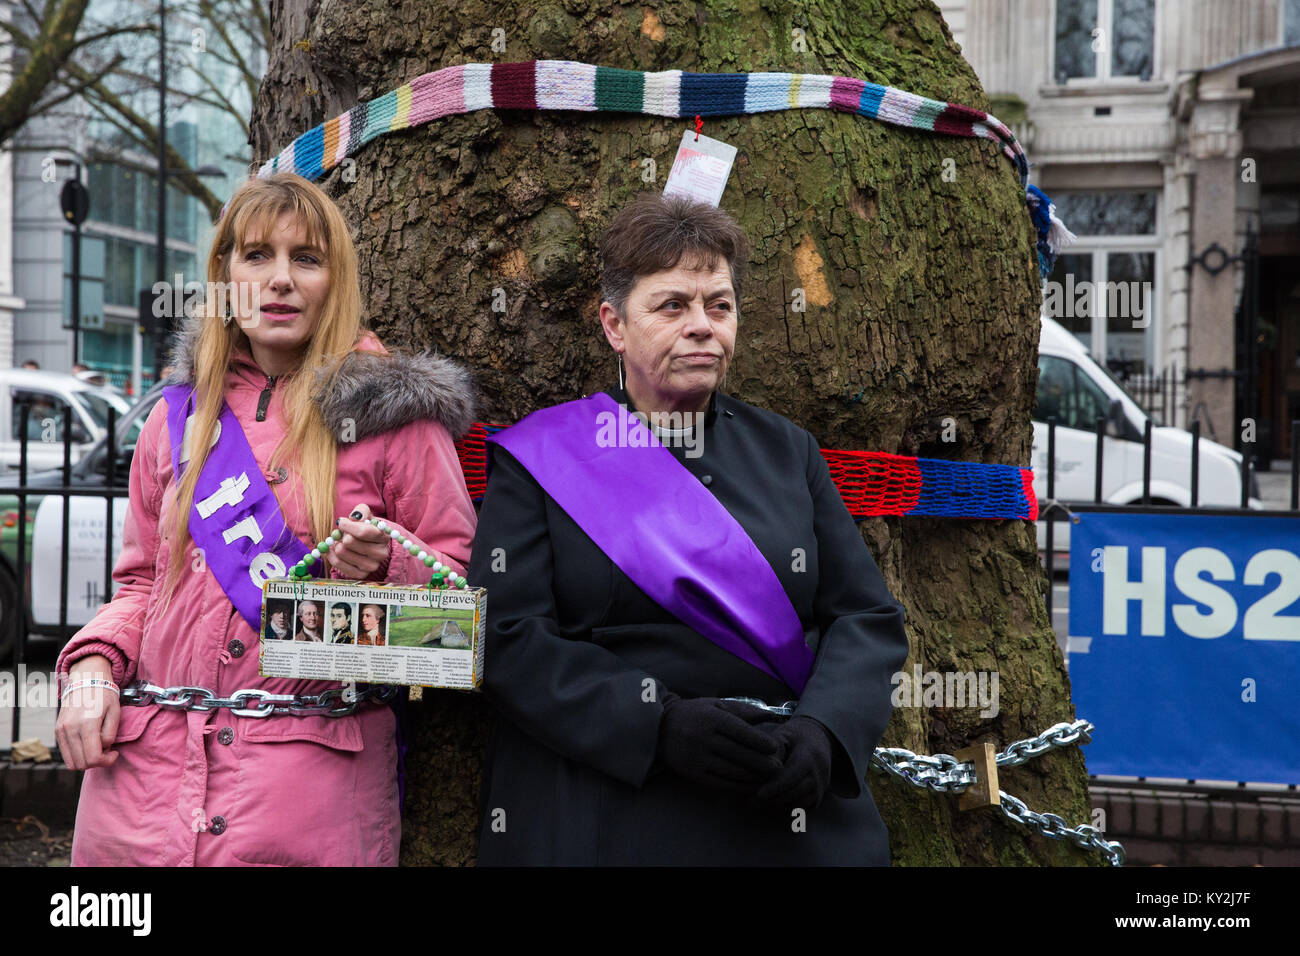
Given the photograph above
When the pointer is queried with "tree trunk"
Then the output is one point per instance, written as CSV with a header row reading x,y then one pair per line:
x,y
922,305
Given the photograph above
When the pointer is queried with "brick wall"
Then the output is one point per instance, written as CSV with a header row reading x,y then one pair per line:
x,y
1174,828
47,791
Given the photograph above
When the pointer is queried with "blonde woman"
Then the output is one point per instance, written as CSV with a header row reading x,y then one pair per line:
x,y
287,419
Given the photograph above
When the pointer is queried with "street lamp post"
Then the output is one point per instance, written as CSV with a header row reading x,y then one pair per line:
x,y
160,343
164,329
162,333
75,203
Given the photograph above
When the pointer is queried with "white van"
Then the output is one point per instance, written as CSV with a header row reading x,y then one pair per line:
x,y
1076,390
49,394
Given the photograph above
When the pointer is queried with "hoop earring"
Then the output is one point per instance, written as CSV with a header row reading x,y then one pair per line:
x,y
620,371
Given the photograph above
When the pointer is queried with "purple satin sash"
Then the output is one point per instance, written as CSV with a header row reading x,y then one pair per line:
x,y
236,518
663,528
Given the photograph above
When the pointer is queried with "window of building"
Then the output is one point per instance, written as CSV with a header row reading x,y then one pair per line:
x,y
1291,23
1104,290
109,350
1105,39
1071,271
1130,291
91,285
1108,213
128,197
112,190
130,266
1279,209
180,209
121,279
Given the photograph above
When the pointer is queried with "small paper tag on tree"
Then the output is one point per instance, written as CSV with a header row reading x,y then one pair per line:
x,y
700,169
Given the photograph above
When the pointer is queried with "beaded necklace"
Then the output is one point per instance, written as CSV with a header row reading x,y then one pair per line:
x,y
443,576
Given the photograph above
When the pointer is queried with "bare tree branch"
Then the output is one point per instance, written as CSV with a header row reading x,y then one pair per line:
x,y
146,134
261,16
75,89
31,12
222,103
48,54
246,72
215,53
111,32
69,53
20,37
178,98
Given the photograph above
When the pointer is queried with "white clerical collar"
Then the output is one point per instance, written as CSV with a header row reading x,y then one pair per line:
x,y
672,432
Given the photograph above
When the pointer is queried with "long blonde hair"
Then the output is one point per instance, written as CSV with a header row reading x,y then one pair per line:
x,y
308,444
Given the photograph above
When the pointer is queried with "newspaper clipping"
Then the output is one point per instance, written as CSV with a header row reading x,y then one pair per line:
x,y
373,633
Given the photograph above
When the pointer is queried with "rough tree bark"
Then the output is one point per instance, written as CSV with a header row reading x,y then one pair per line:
x,y
922,305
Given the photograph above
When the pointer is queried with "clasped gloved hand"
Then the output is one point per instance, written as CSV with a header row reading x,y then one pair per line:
x,y
712,742
805,772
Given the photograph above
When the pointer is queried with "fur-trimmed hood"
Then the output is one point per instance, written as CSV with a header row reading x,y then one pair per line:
x,y
378,392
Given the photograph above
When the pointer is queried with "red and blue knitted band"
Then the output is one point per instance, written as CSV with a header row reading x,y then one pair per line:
x,y
872,483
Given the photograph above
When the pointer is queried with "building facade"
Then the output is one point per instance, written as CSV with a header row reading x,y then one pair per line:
x,y
10,303
119,242
1168,134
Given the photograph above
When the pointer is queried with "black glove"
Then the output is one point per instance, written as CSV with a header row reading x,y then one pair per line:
x,y
805,765
710,741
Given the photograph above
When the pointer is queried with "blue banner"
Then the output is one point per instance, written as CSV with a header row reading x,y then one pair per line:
x,y
1185,644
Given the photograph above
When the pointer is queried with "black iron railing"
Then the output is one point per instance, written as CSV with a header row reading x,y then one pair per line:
x,y
17,619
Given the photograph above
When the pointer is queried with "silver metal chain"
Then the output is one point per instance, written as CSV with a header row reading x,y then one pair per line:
x,y
253,702
1050,825
944,773
1057,735
777,710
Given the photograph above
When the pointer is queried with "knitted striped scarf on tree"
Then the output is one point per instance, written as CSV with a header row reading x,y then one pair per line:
x,y
871,483
567,85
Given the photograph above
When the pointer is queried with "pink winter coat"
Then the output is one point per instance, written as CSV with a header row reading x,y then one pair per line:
x,y
210,788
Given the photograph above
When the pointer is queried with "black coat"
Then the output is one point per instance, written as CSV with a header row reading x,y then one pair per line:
x,y
572,647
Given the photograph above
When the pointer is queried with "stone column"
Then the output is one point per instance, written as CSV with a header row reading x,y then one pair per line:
x,y
1215,146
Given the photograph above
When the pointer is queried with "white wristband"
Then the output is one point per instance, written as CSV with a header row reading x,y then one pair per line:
x,y
90,682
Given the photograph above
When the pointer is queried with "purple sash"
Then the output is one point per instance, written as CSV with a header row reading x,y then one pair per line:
x,y
236,517
679,545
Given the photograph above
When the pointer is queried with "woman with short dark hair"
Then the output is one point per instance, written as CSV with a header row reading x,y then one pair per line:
x,y
668,550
